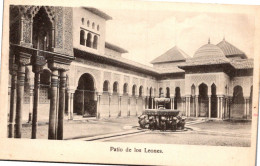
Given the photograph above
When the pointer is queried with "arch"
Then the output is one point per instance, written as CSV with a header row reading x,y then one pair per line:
x,y
84,99
238,102
88,73
125,88
167,95
160,92
214,100
193,90
82,37
95,42
177,98
106,86
33,11
203,100
134,90
115,87
89,38
141,91
42,31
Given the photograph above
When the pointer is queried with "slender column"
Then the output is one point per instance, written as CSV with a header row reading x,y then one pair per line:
x,y
146,102
109,104
194,105
136,107
221,107
19,100
226,107
183,104
12,97
186,105
119,102
53,104
218,114
53,37
61,104
152,102
209,106
189,106
248,108
98,104
197,105
129,104
144,98
31,104
35,104
72,106
69,103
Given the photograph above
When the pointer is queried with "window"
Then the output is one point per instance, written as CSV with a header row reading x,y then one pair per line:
x,y
82,39
82,21
115,87
88,23
93,25
88,44
105,86
97,27
95,42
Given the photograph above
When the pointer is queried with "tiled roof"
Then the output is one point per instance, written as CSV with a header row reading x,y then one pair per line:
x,y
199,61
209,51
243,63
229,49
174,54
171,70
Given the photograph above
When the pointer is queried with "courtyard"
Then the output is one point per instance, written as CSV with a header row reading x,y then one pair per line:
x,y
200,132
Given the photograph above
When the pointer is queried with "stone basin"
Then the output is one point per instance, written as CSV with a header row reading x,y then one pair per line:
x,y
161,112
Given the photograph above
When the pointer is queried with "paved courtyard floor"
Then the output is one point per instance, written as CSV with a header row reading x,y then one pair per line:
x,y
201,132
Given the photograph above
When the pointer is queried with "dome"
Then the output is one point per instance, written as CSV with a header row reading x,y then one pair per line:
x,y
210,51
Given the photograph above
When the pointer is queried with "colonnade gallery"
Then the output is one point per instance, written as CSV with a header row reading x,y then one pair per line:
x,y
61,67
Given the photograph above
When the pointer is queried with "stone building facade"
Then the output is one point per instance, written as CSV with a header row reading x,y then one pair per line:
x,y
81,74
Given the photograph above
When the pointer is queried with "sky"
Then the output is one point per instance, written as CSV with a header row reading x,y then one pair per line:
x,y
147,34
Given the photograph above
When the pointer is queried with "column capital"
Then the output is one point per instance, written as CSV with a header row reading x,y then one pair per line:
x,y
23,58
246,97
99,93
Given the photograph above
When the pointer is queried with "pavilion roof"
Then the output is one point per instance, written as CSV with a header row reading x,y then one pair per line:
x,y
172,55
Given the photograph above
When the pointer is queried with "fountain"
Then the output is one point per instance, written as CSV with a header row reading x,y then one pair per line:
x,y
162,119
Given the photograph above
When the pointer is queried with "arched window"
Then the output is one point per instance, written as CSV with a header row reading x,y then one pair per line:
x,y
105,86
115,87
125,88
95,42
82,21
82,40
89,37
133,90
160,92
93,25
97,27
88,23
141,91
168,92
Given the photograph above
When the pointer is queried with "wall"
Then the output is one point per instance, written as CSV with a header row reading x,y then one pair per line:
x,y
78,14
